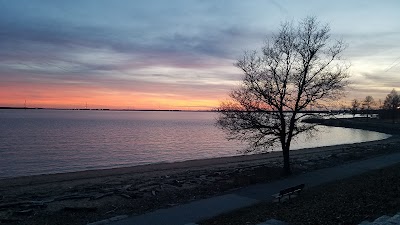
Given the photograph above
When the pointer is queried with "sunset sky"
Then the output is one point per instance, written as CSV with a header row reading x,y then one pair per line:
x,y
171,54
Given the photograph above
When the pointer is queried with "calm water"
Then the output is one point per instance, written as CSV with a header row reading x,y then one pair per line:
x,y
51,141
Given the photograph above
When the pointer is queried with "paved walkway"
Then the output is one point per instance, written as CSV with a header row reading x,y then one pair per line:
x,y
384,220
207,208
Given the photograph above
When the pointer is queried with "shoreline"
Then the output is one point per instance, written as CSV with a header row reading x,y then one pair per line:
x,y
151,167
87,196
180,165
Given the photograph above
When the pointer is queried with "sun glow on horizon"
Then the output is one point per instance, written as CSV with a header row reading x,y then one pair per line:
x,y
72,98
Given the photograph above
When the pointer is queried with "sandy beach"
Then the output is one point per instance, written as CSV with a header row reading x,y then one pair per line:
x,y
89,196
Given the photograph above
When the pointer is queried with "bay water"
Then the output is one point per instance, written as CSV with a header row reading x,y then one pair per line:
x,y
53,141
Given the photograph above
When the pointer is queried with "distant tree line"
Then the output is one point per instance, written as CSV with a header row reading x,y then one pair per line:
x,y
388,109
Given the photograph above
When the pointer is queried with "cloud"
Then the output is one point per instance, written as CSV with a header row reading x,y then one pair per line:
x,y
385,79
58,54
180,47
61,42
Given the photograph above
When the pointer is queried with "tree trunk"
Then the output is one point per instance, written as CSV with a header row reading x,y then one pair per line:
x,y
286,162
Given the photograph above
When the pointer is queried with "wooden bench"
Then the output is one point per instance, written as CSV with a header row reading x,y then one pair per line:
x,y
289,191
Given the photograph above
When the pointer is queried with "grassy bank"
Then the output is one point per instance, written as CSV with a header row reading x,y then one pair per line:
x,y
350,201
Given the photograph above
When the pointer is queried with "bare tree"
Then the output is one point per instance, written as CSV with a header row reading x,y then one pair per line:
x,y
355,106
367,104
298,66
379,104
392,103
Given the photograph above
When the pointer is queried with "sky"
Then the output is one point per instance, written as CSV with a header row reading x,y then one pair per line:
x,y
173,54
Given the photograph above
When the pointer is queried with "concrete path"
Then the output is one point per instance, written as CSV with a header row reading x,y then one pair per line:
x,y
384,220
207,208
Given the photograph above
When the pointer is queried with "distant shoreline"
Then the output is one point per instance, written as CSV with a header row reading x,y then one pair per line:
x,y
99,109
360,123
155,110
106,109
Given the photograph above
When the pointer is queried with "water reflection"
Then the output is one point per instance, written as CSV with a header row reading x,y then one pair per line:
x,y
46,141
